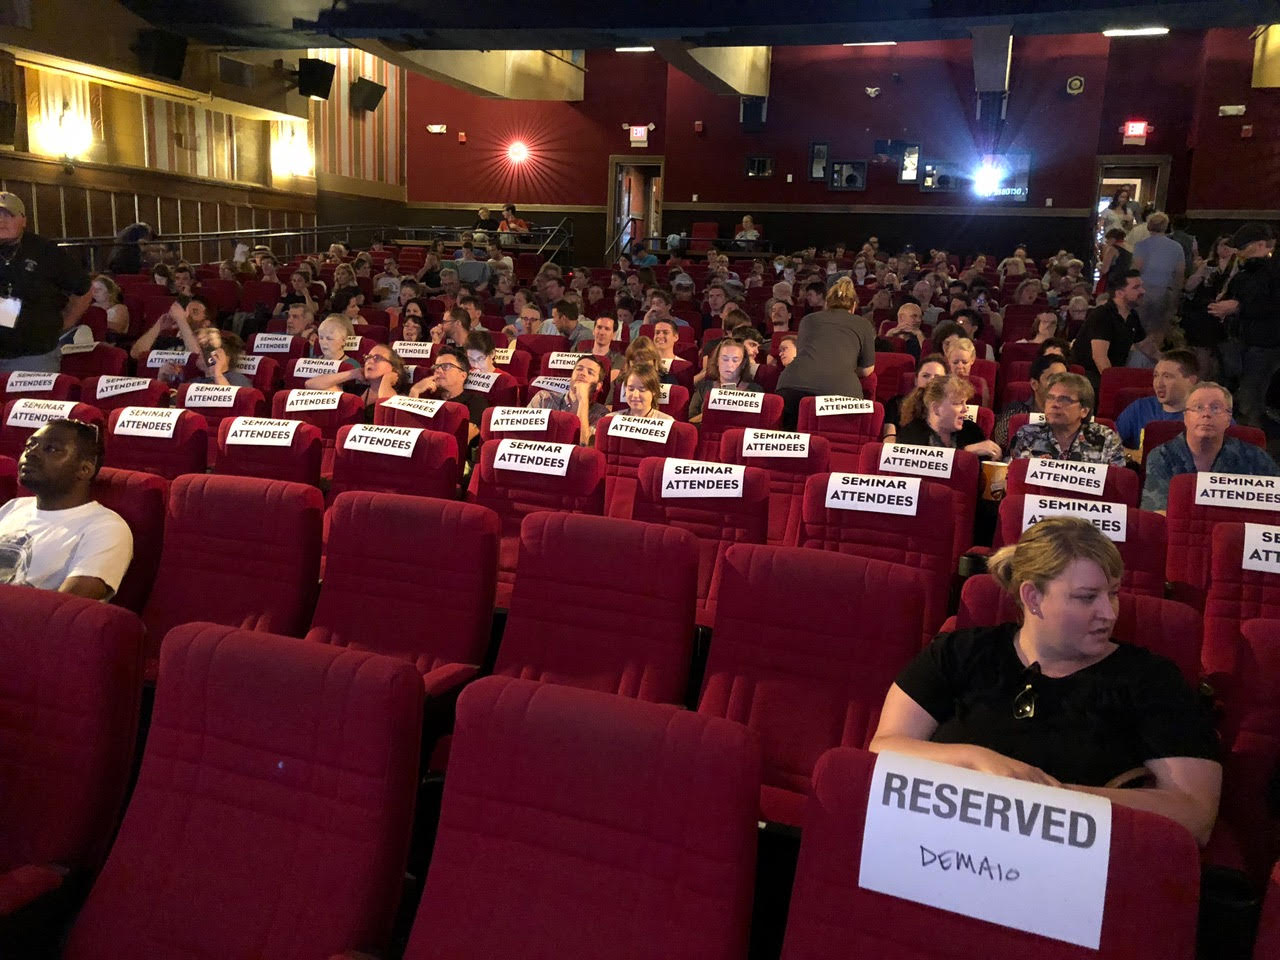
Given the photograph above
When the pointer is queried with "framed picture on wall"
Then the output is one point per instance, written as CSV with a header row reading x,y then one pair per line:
x,y
847,175
818,153
759,167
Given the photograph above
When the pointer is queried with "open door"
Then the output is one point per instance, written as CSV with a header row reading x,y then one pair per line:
x,y
635,201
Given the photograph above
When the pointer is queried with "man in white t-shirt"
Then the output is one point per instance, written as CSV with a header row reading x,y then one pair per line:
x,y
62,539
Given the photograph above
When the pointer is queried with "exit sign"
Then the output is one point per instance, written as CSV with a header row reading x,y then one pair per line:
x,y
639,136
1135,132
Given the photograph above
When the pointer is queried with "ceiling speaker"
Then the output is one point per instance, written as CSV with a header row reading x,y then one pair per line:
x,y
161,53
315,78
366,95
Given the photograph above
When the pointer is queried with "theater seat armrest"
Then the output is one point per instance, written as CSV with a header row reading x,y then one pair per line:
x,y
622,498
21,885
449,678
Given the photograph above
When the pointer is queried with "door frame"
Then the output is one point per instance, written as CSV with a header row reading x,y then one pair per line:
x,y
627,159
1162,162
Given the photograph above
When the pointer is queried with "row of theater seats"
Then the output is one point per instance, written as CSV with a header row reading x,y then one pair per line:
x,y
272,812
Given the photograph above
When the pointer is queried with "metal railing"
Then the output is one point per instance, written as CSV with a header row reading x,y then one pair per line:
x,y
562,235
612,248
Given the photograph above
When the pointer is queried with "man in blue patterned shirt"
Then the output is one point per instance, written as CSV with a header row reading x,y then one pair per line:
x,y
1205,446
1067,433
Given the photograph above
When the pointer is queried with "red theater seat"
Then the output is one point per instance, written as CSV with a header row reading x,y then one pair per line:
x,y
716,422
561,426
108,393
514,494
924,541
243,550
889,370
622,456
626,629
846,433
279,346
1149,912
45,386
1268,944
441,612
786,662
1115,379
441,416
216,403
1121,485
1234,596
264,373
963,483
140,499
272,811
69,693
8,479
101,360
366,463
299,462
187,451
256,293
539,344
1162,431
153,361
25,415
349,410
579,824
787,474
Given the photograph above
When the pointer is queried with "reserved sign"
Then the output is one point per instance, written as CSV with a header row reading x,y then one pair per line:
x,y
1111,518
520,418
873,494
391,441
158,358
414,349
1020,854
696,478
502,355
1086,478
775,443
1037,418
315,367
664,393
113,386
262,432
248,364
272,342
1261,548
29,381
422,406
741,401
1238,490
27,412
210,395
312,400
832,405
352,343
649,429
936,462
971,412
533,456
148,421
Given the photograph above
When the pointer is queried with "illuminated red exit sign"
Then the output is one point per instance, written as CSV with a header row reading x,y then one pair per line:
x,y
1136,132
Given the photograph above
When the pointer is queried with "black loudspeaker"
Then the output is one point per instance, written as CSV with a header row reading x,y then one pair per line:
x,y
752,112
366,95
8,123
315,78
161,53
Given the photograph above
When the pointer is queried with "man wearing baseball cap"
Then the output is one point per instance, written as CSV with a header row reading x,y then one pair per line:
x,y
1253,300
43,291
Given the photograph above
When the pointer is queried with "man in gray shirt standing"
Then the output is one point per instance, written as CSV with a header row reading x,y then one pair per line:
x,y
1163,265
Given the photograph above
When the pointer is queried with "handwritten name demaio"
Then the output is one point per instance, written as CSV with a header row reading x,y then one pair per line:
x,y
992,811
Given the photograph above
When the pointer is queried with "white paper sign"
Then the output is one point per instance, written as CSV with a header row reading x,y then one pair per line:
x,y
29,381
1034,417
502,355
70,348
775,443
520,418
649,429
1089,479
148,421
312,400
533,456
272,342
352,343
561,360
422,406
1111,518
262,432
971,412
414,349
158,358
30,413
1261,548
1237,490
554,384
314,367
664,393
739,401
248,364
1011,852
392,441
210,395
832,405
873,494
936,462
113,386
481,382
696,478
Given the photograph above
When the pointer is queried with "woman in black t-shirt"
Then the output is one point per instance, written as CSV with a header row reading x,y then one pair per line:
x,y
1055,700
935,417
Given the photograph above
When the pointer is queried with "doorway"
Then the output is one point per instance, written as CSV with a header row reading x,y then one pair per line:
x,y
635,201
1146,177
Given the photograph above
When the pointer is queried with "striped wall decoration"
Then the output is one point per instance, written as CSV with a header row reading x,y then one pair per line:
x,y
189,140
360,145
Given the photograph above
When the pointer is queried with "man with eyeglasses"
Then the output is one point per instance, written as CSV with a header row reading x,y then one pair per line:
x,y
448,381
1067,433
61,538
1204,447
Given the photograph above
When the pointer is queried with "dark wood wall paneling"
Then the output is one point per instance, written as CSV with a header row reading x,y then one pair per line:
x,y
96,201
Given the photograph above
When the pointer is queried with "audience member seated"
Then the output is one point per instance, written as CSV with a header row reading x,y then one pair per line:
x,y
412,324
1043,329
1204,446
1110,331
331,341
299,292
452,328
564,322
641,392
935,417
1054,700
107,298
220,351
786,351
581,399
601,344
1043,369
1068,433
835,347
348,305
928,368
480,351
972,323
299,321
908,328
61,538
1175,375
381,376
727,370
448,381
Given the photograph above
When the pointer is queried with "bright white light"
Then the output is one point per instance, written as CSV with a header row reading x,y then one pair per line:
x,y
987,178
1136,32
290,153
68,135
518,152
633,49
873,43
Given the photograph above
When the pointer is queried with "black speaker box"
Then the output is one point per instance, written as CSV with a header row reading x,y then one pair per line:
x,y
161,53
315,78
366,95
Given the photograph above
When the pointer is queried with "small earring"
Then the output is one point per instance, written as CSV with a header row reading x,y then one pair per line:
x,y
1035,611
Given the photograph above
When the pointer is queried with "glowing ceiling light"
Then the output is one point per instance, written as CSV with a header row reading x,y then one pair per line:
x,y
518,152
987,178
1135,32
633,49
872,43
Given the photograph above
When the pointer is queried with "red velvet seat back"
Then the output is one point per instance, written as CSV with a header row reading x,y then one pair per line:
x,y
435,616
24,416
924,541
622,456
223,404
787,476
717,522
70,690
541,344
1149,914
272,811
240,550
449,417
626,629
1113,380
140,499
562,427
963,483
298,463
278,346
151,363
564,805
847,433
513,495
1121,485
889,370
431,470
716,422
21,384
265,374
1234,596
187,451
787,661
102,360
108,393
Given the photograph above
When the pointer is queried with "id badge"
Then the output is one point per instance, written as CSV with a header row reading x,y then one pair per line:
x,y
10,307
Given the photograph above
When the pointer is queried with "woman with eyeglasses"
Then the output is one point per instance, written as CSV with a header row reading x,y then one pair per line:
x,y
382,375
1054,699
